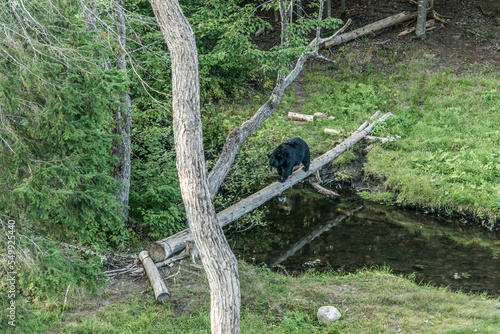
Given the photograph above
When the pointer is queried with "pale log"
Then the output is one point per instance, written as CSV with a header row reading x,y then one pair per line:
x,y
370,28
332,131
323,115
162,249
159,287
300,117
324,191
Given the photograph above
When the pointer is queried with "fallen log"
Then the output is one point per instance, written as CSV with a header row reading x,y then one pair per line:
x,y
159,287
370,28
324,191
300,117
323,115
162,249
332,131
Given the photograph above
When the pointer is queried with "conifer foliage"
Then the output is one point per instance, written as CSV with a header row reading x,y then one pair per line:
x,y
55,123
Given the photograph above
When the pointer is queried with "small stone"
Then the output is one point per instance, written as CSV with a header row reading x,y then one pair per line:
x,y
328,314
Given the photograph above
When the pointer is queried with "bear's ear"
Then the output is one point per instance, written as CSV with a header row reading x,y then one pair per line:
x,y
278,157
268,155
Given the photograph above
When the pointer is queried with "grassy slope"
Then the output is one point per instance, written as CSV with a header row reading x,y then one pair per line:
x,y
370,302
448,157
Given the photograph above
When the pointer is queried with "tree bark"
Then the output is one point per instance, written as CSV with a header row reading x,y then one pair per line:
x,y
162,249
300,12
123,117
421,18
218,260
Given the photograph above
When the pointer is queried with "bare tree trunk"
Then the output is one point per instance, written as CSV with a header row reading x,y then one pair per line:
x,y
123,118
342,7
286,20
421,18
370,28
218,260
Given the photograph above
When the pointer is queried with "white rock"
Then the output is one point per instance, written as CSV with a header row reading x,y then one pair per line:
x,y
328,314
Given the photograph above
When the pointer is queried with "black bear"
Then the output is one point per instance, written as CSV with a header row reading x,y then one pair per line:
x,y
289,154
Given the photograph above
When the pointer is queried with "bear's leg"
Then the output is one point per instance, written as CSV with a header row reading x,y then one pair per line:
x,y
306,162
286,173
280,170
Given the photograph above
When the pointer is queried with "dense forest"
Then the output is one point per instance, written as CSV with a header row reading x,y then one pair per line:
x,y
87,153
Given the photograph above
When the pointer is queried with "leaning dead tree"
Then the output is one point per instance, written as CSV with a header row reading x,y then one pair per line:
x,y
163,249
238,135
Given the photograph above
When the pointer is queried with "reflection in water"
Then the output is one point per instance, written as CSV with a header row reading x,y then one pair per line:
x,y
307,230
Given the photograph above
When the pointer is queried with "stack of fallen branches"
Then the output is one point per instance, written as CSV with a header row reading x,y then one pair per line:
x,y
115,263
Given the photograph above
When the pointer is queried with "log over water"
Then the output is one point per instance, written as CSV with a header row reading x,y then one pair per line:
x,y
163,249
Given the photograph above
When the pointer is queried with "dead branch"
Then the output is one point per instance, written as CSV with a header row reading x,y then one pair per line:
x,y
370,28
324,191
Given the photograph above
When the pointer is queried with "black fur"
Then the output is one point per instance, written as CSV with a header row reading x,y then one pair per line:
x,y
291,153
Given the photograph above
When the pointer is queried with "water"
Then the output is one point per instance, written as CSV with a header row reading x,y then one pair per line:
x,y
306,230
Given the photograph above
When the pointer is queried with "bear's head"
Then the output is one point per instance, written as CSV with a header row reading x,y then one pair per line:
x,y
275,160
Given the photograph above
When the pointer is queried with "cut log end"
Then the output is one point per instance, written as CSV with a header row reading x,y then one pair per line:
x,y
163,297
332,131
157,252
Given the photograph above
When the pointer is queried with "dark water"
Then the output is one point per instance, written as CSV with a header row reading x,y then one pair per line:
x,y
306,230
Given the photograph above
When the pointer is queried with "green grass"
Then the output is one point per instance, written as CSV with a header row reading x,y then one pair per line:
x,y
370,301
448,158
